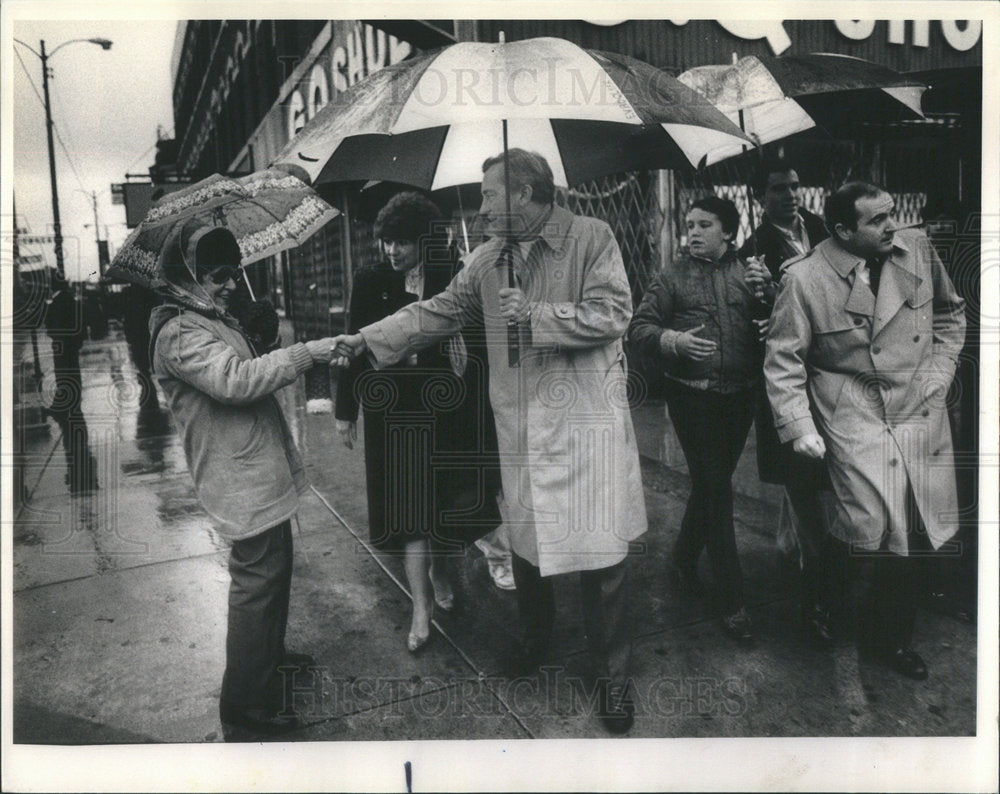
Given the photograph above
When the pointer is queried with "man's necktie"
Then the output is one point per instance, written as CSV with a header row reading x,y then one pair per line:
x,y
874,274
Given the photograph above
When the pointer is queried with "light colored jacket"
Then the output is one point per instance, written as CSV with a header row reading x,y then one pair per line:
x,y
247,472
871,377
573,495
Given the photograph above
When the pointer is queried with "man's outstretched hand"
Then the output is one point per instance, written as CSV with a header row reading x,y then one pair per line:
x,y
346,348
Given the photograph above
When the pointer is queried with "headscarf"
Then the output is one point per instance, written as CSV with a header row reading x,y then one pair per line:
x,y
179,263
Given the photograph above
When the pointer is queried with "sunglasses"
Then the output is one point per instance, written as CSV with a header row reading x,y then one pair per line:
x,y
222,274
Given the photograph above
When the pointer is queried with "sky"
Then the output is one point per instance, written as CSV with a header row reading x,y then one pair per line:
x,y
106,105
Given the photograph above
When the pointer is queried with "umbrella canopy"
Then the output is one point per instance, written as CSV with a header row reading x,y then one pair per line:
x,y
433,120
772,98
267,212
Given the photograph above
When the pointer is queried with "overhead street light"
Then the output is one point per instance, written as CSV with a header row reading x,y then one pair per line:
x,y
104,44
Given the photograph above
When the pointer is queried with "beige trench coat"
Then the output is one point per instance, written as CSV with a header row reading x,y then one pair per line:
x,y
573,495
876,372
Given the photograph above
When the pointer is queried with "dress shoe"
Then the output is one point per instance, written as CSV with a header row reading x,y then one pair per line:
x,y
739,626
261,722
816,625
444,601
615,708
686,581
908,663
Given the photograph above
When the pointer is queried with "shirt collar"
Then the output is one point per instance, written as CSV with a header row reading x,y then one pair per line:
x,y
798,227
843,261
555,228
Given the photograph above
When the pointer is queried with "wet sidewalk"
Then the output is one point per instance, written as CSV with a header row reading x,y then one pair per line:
x,y
120,603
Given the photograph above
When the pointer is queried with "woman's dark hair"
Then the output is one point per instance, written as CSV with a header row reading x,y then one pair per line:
x,y
721,208
527,168
839,207
409,216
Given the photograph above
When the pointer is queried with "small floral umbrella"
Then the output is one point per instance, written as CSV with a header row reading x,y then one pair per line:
x,y
267,212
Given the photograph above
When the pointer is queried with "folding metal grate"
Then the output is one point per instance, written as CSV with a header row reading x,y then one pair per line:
x,y
629,203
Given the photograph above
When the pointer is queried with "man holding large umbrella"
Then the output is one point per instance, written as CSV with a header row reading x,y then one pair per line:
x,y
570,468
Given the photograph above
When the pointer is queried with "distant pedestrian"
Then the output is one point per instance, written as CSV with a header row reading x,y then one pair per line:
x,y
860,355
788,230
247,472
64,321
697,320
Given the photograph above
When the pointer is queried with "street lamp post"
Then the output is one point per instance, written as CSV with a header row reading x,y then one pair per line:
x,y
104,44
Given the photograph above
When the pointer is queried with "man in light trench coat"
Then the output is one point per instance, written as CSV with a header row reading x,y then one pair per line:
x,y
862,349
573,496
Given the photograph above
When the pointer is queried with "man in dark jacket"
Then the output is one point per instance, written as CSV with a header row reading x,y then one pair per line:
x,y
788,230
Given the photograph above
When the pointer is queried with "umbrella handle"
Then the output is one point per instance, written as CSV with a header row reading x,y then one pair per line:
x,y
249,288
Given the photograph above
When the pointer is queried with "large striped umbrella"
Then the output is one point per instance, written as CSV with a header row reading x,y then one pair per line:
x,y
772,98
432,121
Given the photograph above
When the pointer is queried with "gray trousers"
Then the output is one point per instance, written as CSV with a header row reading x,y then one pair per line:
x,y
260,569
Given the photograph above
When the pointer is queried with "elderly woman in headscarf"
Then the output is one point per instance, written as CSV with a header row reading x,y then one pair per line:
x,y
247,472
430,443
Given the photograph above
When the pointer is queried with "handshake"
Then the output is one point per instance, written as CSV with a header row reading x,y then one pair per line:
x,y
337,351
346,348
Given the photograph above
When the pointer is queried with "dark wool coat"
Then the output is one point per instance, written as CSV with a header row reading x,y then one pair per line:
x,y
431,460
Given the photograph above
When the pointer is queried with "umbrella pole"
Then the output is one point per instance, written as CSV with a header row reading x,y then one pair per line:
x,y
753,228
513,346
249,288
461,215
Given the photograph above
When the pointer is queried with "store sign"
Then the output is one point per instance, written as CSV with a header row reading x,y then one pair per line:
x,y
364,51
959,35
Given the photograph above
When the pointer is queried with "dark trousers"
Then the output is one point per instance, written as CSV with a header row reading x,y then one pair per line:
x,y
81,468
804,498
874,594
603,600
712,428
261,576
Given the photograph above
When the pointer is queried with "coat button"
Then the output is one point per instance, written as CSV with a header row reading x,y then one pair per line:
x,y
925,412
916,338
893,462
858,321
876,351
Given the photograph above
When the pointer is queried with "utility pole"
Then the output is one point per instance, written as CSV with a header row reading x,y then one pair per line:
x,y
43,56
56,225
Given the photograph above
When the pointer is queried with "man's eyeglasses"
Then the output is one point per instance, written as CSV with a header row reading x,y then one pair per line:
x,y
222,274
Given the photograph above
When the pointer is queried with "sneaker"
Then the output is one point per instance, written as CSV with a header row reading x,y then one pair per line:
x,y
502,575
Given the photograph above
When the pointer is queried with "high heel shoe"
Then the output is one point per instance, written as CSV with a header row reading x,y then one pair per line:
x,y
416,642
444,601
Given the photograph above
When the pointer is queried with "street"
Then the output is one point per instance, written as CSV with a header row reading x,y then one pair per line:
x,y
120,605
